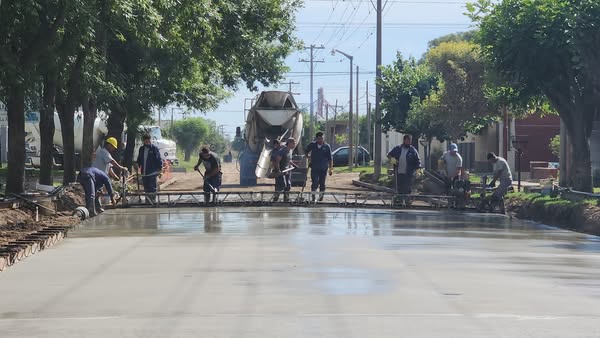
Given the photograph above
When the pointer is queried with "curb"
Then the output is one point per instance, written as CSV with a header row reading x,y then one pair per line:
x,y
168,183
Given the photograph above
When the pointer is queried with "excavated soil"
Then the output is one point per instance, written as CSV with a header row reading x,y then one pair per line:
x,y
16,224
192,181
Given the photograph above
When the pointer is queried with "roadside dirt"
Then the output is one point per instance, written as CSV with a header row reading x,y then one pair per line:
x,y
192,181
16,224
582,217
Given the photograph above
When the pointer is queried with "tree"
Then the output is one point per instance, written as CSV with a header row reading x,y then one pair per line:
x,y
400,83
549,48
27,31
461,102
189,134
454,37
555,145
214,137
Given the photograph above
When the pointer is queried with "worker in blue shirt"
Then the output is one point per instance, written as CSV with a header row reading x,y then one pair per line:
x,y
93,179
320,157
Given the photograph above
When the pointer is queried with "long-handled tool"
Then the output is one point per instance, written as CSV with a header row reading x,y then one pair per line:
x,y
301,196
209,185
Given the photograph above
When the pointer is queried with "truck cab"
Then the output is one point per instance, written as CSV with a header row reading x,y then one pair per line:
x,y
168,148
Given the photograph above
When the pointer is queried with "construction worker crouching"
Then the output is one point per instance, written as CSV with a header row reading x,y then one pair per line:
x,y
502,173
149,163
212,175
93,179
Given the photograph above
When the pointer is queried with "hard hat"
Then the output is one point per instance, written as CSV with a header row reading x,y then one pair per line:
x,y
112,141
291,139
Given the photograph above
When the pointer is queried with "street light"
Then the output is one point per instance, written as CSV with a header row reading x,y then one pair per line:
x,y
519,142
425,143
351,145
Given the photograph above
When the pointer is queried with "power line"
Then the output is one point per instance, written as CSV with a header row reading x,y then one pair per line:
x,y
389,24
329,18
342,27
418,2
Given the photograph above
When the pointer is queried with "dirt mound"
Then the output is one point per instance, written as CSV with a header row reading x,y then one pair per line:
x,y
16,224
72,198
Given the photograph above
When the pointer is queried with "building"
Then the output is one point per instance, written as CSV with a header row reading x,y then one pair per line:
x,y
531,135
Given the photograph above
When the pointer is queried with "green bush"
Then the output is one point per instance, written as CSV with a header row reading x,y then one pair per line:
x,y
596,178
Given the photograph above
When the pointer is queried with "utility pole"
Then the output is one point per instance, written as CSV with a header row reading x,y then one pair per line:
x,y
312,103
326,118
357,123
290,86
368,121
377,171
334,124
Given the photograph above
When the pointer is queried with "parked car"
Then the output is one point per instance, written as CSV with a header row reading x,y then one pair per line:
x,y
340,156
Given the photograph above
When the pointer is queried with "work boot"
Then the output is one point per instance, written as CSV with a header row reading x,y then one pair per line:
x,y
321,195
286,197
275,197
99,208
312,195
89,205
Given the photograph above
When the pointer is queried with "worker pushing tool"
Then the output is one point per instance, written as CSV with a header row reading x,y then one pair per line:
x,y
451,166
281,163
104,160
406,161
149,163
320,161
212,175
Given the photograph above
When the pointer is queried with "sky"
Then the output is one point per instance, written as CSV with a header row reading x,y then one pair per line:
x,y
350,26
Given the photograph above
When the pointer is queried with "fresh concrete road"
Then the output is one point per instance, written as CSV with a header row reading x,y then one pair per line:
x,y
294,272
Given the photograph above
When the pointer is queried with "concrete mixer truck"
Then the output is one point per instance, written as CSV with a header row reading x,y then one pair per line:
x,y
32,138
274,116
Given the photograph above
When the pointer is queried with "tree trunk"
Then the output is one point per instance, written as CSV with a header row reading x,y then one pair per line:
x,y
90,112
16,139
47,129
67,122
130,147
187,155
580,174
115,124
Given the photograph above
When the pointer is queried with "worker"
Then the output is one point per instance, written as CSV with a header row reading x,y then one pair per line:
x,y
212,174
149,163
93,179
320,160
104,160
501,172
451,165
406,161
281,162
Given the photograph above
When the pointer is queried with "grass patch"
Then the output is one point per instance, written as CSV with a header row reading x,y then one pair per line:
x,y
188,165
537,198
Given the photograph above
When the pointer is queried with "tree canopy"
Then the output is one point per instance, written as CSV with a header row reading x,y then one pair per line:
x,y
548,48
128,56
190,133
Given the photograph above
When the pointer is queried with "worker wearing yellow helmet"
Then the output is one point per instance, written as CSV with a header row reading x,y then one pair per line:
x,y
104,160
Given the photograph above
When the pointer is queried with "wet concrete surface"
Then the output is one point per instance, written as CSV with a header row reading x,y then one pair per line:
x,y
306,272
